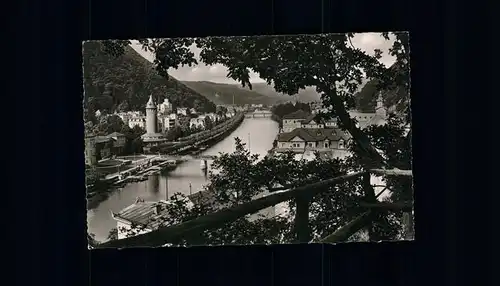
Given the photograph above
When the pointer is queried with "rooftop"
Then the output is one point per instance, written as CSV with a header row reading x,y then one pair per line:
x,y
203,197
314,134
309,118
102,139
116,134
144,213
151,103
375,120
153,137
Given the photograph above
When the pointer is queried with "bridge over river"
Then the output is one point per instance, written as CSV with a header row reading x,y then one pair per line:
x,y
259,113
257,133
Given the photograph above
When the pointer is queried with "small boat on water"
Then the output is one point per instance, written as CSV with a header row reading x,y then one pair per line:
x,y
203,148
203,165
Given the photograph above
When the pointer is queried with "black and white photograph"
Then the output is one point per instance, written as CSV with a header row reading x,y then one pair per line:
x,y
248,140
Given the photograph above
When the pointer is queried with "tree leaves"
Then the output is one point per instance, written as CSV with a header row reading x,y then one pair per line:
x,y
336,68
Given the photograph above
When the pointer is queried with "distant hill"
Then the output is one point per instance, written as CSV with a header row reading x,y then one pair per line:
x,y
125,83
221,93
305,95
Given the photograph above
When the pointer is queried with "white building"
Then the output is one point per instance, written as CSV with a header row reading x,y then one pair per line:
x,y
214,117
137,121
320,139
168,122
311,122
182,111
293,120
198,122
165,107
378,117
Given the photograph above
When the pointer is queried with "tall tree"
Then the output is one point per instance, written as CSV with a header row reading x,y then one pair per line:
x,y
336,68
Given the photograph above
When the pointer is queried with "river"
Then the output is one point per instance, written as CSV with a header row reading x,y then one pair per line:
x,y
257,133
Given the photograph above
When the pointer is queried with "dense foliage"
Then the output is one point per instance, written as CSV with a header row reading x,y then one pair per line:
x,y
125,81
366,98
332,65
281,110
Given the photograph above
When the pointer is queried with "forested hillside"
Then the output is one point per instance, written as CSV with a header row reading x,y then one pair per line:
x,y
125,82
221,93
304,95
397,97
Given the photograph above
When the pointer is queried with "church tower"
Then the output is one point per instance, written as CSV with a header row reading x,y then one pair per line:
x,y
380,109
151,117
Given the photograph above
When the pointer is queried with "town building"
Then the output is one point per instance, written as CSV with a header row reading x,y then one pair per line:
x,y
103,145
134,115
145,216
213,116
182,111
379,117
312,139
142,213
331,123
148,215
319,110
152,137
167,122
165,107
90,150
293,120
198,122
139,121
364,119
118,142
311,122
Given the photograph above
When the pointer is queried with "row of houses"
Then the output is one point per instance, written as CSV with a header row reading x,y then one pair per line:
x,y
302,131
200,120
168,121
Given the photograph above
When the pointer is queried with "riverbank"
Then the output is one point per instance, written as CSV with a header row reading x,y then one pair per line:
x,y
141,171
186,179
205,137
210,141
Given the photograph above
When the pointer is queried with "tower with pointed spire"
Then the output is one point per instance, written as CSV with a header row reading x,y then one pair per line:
x,y
151,116
151,137
380,108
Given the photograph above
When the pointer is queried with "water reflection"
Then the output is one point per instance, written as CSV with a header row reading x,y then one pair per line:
x,y
153,184
187,178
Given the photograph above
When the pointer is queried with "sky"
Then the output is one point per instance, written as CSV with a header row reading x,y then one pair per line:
x,y
217,73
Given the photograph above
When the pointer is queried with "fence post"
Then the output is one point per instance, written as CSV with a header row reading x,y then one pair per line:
x,y
302,219
408,225
370,198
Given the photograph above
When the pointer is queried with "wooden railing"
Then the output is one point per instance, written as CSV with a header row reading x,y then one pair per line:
x,y
302,195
